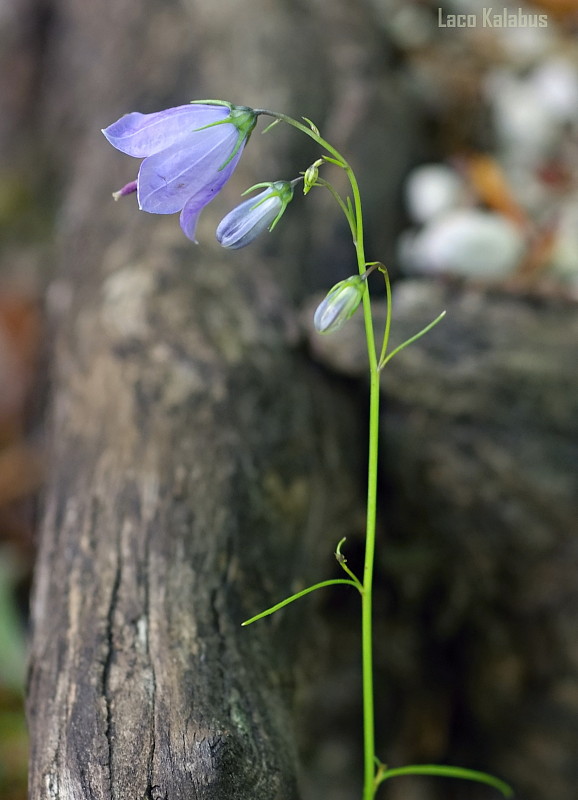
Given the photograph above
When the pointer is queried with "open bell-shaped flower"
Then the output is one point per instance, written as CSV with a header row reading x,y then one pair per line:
x,y
245,222
189,153
339,304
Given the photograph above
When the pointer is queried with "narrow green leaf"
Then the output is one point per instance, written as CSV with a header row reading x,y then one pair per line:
x,y
296,596
412,339
312,125
271,125
448,772
350,207
342,561
333,161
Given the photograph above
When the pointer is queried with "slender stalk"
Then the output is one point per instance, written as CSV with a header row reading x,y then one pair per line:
x,y
333,191
304,129
371,516
385,344
375,773
369,786
367,596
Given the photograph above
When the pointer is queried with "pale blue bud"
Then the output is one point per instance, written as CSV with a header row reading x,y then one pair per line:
x,y
245,222
339,305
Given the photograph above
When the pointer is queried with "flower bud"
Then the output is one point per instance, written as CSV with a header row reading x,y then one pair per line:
x,y
339,305
245,222
310,176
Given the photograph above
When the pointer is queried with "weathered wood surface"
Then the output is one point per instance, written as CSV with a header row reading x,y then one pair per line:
x,y
189,480
197,463
478,568
201,469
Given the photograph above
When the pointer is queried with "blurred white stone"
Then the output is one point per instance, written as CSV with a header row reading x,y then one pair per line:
x,y
468,242
410,26
529,190
524,124
555,83
530,112
564,257
525,46
433,189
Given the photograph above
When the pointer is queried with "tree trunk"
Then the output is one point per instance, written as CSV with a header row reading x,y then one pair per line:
x,y
188,481
202,469
197,463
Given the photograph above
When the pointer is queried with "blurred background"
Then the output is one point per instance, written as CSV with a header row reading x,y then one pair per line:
x,y
464,131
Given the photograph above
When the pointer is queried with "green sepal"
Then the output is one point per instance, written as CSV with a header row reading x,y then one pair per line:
x,y
256,186
282,189
247,119
211,103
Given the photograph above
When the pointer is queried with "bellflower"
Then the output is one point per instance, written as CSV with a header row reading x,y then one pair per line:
x,y
339,305
245,222
189,153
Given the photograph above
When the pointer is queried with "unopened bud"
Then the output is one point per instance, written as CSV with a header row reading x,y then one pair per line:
x,y
244,223
310,175
339,305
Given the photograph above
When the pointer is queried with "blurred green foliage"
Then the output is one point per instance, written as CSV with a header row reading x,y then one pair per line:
x,y
13,736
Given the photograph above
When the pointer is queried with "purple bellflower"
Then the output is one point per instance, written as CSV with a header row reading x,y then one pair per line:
x,y
245,222
189,153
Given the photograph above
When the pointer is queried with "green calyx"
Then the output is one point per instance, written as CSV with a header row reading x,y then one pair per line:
x,y
340,303
281,189
242,117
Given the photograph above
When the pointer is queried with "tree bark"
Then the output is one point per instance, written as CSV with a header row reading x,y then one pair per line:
x,y
188,481
200,469
197,463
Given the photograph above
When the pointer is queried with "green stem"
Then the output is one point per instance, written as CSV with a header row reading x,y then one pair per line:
x,y
368,568
367,596
381,360
304,129
371,515
342,205
375,773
